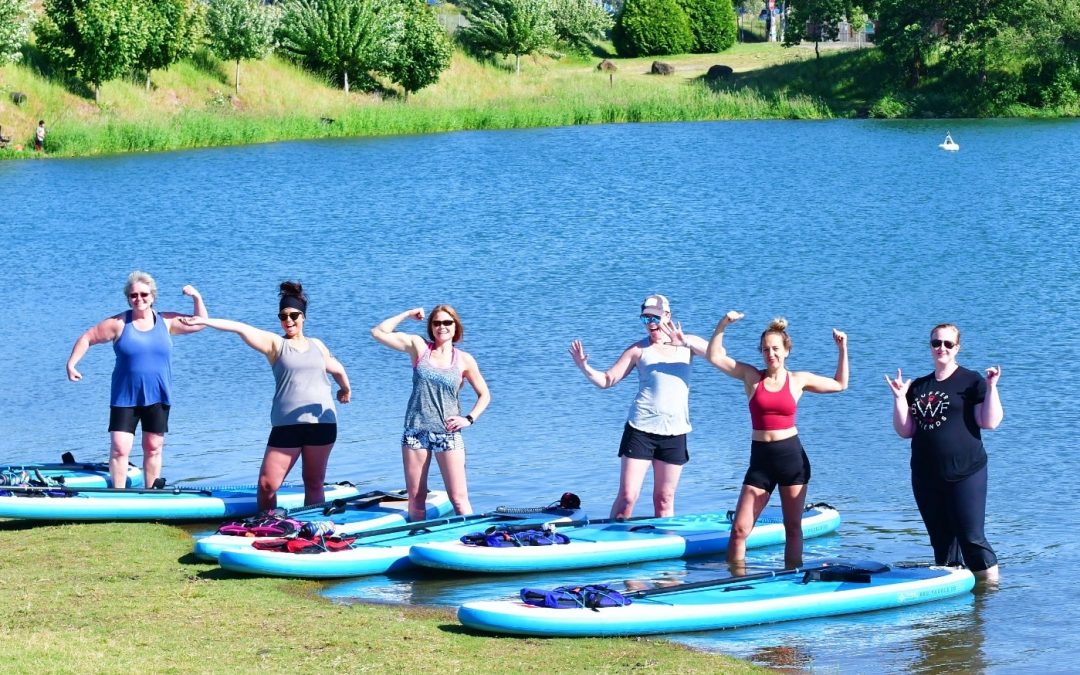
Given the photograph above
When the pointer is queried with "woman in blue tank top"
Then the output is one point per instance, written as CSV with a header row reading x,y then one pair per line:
x,y
142,375
433,419
303,418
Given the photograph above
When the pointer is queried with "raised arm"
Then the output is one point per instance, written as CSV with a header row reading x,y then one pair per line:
x,y
695,343
386,333
839,381
717,354
106,331
612,375
989,413
177,327
902,423
336,371
264,342
471,373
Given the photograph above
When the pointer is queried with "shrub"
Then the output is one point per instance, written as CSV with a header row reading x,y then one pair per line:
x,y
652,28
713,23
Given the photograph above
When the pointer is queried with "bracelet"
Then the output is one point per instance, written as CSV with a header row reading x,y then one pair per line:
x,y
471,420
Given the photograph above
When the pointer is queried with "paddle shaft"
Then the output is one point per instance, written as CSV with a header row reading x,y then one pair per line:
x,y
360,501
438,522
728,581
175,489
510,529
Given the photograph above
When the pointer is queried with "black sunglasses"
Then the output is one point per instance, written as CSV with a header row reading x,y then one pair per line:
x,y
444,322
291,316
935,343
135,296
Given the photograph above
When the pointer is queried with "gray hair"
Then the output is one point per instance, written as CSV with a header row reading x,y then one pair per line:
x,y
138,277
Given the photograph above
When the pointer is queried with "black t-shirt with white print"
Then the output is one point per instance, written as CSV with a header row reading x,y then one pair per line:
x,y
948,442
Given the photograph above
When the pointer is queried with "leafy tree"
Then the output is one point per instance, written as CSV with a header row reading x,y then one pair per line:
x,y
652,27
342,37
174,29
97,40
909,35
240,30
15,16
712,22
816,20
424,51
578,23
508,27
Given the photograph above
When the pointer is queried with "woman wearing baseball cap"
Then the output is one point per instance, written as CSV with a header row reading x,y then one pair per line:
x,y
659,418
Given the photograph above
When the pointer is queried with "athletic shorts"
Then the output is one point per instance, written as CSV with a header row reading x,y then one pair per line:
x,y
638,444
300,435
775,463
433,441
155,418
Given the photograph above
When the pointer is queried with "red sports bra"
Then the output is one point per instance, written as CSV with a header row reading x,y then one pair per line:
x,y
773,410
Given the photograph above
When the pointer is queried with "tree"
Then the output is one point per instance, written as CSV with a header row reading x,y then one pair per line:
x,y
508,27
97,40
816,20
652,27
578,23
342,37
909,34
424,51
712,22
15,16
174,29
241,30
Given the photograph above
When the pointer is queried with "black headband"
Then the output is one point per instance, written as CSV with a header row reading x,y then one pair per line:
x,y
293,302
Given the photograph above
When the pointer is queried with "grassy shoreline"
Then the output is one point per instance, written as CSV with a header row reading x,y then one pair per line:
x,y
127,597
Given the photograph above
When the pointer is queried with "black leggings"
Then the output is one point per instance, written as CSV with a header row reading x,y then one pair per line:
x,y
954,513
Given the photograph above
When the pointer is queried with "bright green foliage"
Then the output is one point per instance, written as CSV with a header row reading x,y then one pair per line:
x,y
424,51
907,36
1050,54
15,16
174,30
240,30
652,28
508,27
97,40
578,23
342,37
816,20
713,23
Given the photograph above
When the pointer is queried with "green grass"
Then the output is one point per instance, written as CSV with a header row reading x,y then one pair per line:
x,y
118,598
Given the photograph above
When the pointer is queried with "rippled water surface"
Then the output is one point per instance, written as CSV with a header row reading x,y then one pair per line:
x,y
540,237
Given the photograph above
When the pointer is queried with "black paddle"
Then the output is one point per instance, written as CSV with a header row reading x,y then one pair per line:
x,y
439,522
510,529
333,506
830,571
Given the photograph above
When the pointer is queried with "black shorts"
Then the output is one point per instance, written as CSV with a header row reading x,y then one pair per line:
x,y
775,463
155,418
300,435
638,444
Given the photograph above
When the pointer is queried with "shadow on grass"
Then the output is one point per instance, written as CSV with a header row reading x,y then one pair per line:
x,y
36,60
205,62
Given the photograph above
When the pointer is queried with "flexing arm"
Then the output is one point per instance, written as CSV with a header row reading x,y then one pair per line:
x,y
336,371
839,381
472,375
989,413
902,423
717,354
106,331
264,342
177,327
613,375
386,333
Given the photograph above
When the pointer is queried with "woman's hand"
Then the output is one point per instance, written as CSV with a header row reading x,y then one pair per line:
x,y
194,320
73,374
344,395
993,374
190,291
577,351
417,313
840,338
899,386
674,332
456,423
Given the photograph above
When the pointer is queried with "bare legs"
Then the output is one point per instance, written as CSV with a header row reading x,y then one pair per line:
x,y
752,501
665,481
451,463
277,462
120,443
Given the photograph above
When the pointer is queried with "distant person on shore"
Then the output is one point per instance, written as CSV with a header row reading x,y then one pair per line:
x,y
659,419
433,419
943,414
777,457
39,136
142,376
302,416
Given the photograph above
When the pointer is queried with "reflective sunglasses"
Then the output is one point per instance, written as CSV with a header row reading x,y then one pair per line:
x,y
935,343
291,316
647,319
444,322
135,296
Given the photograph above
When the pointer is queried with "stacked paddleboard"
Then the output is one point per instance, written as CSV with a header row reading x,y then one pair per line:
x,y
70,474
783,595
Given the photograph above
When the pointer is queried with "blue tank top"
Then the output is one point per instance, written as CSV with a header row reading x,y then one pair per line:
x,y
143,371
434,394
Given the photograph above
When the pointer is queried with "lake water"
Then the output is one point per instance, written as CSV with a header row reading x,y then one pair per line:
x,y
539,237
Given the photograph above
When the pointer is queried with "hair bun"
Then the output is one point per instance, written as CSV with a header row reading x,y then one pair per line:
x,y
292,288
778,324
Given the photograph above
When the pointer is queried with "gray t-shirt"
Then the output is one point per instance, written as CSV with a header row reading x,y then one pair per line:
x,y
302,395
662,404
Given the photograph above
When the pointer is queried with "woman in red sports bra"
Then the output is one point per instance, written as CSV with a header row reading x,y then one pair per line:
x,y
777,457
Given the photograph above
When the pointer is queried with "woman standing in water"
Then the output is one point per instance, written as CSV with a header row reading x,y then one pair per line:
x,y
777,457
943,414
433,419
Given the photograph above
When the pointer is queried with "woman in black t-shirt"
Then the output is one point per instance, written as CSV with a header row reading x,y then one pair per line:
x,y
943,414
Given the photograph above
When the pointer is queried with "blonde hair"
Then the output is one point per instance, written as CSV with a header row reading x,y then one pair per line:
x,y
779,327
138,277
941,326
